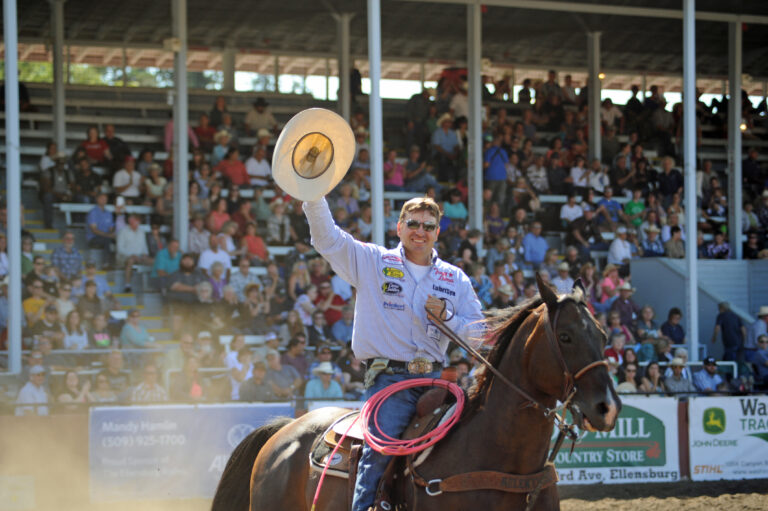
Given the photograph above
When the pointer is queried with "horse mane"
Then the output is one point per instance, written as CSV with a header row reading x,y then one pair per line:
x,y
502,325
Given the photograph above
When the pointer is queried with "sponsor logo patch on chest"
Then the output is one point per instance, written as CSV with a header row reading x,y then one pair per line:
x,y
391,288
395,273
391,259
394,306
444,290
444,276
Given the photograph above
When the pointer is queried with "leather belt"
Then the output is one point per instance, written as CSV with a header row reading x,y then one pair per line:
x,y
400,366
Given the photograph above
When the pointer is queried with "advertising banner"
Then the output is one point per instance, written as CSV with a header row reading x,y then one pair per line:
x,y
642,448
168,452
728,437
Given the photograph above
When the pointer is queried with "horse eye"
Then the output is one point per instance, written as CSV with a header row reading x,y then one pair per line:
x,y
564,338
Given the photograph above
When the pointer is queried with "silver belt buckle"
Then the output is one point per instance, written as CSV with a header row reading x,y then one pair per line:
x,y
420,365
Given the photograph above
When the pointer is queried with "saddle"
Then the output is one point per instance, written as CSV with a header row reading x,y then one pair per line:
x,y
430,409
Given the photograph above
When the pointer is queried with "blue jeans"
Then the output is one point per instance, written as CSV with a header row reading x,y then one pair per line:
x,y
394,416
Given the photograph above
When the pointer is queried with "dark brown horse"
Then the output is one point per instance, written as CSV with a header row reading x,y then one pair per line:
x,y
499,430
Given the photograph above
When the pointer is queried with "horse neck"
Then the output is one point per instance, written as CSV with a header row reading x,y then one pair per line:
x,y
513,437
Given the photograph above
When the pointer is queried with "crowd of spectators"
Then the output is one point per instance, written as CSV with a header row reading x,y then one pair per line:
x,y
626,205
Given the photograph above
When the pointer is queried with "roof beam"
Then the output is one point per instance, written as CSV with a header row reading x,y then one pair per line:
x,y
616,10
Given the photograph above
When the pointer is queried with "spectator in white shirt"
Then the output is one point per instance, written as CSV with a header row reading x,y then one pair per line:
x,y
213,254
570,211
128,181
258,167
563,282
132,249
619,252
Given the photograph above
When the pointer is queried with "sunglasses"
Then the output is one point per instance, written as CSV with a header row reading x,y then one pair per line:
x,y
415,224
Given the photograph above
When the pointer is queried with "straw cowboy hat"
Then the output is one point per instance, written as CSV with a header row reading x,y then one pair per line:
x,y
626,286
221,134
313,153
677,361
443,118
323,368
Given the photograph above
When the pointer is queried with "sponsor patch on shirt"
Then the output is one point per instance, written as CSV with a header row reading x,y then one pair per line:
x,y
391,288
394,273
444,276
444,290
391,259
394,306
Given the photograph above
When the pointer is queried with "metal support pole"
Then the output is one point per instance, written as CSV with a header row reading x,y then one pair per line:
x,y
689,161
375,118
734,139
125,67
13,184
327,79
345,62
69,64
593,64
59,98
643,86
277,73
422,74
180,127
228,68
475,149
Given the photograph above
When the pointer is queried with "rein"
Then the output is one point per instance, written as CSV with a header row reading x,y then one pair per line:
x,y
534,483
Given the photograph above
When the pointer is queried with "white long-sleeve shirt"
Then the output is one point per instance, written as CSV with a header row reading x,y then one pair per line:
x,y
130,242
390,319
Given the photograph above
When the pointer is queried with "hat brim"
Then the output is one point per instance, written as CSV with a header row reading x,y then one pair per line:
x,y
313,120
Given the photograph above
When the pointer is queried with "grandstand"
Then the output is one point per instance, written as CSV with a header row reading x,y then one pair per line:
x,y
285,273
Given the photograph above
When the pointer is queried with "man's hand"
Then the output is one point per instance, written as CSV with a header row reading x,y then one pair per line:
x,y
436,307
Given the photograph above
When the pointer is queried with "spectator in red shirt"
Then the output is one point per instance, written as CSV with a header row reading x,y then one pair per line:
x,y
242,217
233,169
254,245
205,133
97,149
329,303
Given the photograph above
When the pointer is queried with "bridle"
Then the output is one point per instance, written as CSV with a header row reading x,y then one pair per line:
x,y
570,379
566,398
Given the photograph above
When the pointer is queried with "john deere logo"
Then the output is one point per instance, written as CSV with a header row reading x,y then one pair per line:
x,y
714,421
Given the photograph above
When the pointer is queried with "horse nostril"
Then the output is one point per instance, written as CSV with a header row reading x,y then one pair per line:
x,y
602,408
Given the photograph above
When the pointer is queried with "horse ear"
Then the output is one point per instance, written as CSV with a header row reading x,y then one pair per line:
x,y
546,292
578,287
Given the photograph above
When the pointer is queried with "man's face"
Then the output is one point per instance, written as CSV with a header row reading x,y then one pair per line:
x,y
37,288
109,131
677,370
244,266
130,165
416,239
348,315
37,379
69,240
27,245
325,289
101,200
133,222
318,319
711,368
187,264
213,242
536,229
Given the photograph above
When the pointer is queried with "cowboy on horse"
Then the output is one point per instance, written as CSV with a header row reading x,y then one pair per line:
x,y
410,304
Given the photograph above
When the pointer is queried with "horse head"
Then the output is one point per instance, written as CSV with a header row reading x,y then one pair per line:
x,y
570,362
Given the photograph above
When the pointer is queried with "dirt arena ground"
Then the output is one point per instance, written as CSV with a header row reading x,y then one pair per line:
x,y
750,495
